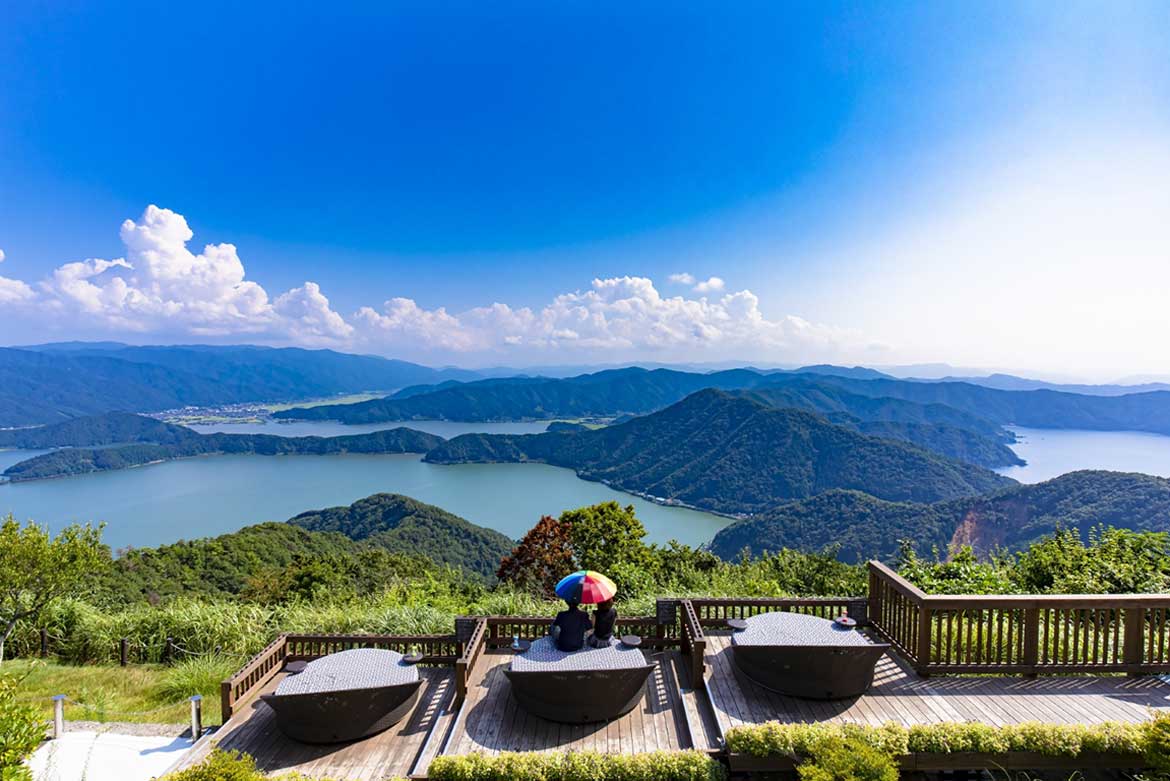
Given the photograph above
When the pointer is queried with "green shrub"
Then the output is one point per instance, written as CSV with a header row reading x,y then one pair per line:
x,y
849,759
21,731
578,766
223,765
1156,743
1056,740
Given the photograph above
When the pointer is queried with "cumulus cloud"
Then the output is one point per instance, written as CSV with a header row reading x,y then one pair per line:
x,y
161,285
2,256
163,288
682,278
619,317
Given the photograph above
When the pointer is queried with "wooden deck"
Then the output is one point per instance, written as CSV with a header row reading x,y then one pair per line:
x,y
492,722
392,753
901,696
672,715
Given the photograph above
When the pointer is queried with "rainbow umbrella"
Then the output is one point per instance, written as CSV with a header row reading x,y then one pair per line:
x,y
587,587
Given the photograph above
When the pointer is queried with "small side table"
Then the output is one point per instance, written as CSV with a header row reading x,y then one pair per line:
x,y
412,658
521,646
633,641
738,624
844,622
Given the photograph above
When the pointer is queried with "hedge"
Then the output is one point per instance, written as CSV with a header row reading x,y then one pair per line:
x,y
578,766
774,739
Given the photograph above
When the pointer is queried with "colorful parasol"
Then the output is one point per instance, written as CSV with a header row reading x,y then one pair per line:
x,y
587,587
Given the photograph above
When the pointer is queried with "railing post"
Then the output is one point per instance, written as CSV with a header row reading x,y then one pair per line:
x,y
922,651
196,716
875,596
169,650
1135,622
58,715
226,701
123,651
1031,640
44,643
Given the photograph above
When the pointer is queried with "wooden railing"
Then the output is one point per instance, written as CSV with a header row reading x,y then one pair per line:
x,y
472,649
501,630
251,676
714,611
694,642
436,649
1020,634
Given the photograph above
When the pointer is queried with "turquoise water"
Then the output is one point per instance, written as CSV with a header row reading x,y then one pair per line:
x,y
1053,452
198,497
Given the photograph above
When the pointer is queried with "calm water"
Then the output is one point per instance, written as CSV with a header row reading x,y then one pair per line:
x,y
329,428
1053,452
199,497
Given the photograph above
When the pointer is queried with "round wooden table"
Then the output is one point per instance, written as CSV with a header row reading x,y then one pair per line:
x,y
632,641
737,624
520,646
413,658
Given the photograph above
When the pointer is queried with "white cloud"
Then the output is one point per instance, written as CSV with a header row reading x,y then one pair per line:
x,y
2,256
620,317
682,279
13,291
163,289
161,286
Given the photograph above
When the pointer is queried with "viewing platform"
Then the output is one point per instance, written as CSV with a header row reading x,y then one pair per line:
x,y
998,660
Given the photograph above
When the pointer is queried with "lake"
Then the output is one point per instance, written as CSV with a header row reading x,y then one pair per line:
x,y
1053,452
200,497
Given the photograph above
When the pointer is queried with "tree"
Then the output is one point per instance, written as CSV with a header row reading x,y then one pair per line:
x,y
542,558
36,568
607,535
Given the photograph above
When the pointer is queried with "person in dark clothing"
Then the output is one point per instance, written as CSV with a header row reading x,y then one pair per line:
x,y
569,628
604,618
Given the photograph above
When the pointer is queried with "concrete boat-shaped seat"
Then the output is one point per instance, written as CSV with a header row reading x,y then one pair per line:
x,y
806,656
345,696
578,687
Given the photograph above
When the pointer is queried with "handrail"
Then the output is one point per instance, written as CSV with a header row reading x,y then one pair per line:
x,y
1020,633
694,641
258,670
465,665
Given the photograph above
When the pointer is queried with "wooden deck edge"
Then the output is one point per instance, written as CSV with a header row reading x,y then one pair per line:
x,y
1015,760
421,773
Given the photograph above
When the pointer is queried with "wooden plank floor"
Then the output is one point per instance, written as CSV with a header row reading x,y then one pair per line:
x,y
491,721
899,695
252,730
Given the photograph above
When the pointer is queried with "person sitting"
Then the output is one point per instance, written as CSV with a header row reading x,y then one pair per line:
x,y
569,628
604,618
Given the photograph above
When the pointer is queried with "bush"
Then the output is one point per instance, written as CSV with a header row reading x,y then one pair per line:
x,y
850,759
223,765
21,731
578,766
1055,740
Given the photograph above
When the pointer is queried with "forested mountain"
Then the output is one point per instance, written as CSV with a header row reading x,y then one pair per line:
x,y
377,537
1034,409
733,454
957,443
111,428
401,524
1011,518
638,391
609,392
49,383
179,442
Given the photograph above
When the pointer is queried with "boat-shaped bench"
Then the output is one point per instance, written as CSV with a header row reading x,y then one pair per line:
x,y
806,656
578,687
345,696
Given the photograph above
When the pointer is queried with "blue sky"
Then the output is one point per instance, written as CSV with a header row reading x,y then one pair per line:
x,y
973,183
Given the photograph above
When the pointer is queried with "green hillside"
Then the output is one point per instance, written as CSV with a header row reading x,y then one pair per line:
x,y
734,455
154,441
403,525
1011,518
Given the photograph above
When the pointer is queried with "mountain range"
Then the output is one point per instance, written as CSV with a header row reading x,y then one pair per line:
x,y
733,454
1010,518
49,383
